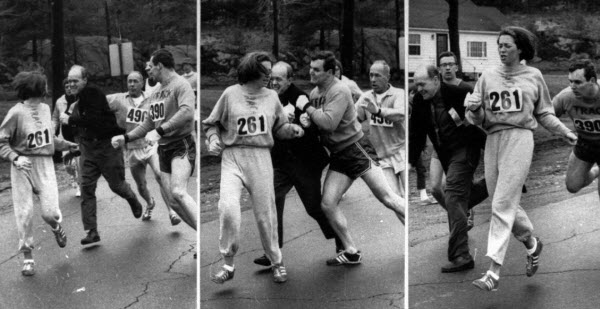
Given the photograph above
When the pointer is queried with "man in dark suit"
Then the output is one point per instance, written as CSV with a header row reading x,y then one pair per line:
x,y
438,112
96,125
299,162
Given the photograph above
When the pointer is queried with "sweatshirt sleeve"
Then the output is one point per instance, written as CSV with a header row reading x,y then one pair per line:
x,y
141,130
218,117
544,110
328,118
7,131
558,104
477,117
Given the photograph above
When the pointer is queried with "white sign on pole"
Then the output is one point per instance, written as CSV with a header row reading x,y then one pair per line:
x,y
126,57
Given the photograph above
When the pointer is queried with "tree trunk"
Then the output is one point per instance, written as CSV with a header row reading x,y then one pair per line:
x,y
347,43
453,32
363,64
108,39
275,30
58,49
34,49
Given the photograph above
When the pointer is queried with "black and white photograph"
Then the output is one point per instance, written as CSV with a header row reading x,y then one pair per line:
x,y
99,169
303,154
502,131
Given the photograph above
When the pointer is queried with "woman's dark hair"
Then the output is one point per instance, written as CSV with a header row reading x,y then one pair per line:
x,y
250,67
30,85
524,39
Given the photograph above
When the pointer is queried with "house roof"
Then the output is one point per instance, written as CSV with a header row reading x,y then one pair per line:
x,y
432,14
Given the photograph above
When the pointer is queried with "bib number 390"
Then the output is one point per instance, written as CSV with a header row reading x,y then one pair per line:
x,y
252,125
157,111
506,101
587,125
38,139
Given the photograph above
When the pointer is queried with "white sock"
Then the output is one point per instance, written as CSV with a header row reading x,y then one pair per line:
x,y
532,250
493,275
228,268
423,193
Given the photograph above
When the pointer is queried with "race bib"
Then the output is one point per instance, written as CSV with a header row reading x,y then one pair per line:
x,y
38,139
157,111
251,125
135,115
587,125
378,121
506,101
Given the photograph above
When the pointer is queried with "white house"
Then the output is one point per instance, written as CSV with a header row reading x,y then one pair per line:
x,y
428,34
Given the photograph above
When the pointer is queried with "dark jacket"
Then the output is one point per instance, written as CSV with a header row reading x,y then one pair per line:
x,y
94,119
307,150
443,131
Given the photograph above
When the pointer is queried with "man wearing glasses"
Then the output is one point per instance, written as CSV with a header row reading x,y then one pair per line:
x,y
448,69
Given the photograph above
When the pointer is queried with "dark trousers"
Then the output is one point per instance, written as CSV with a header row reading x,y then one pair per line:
x,y
421,173
307,181
98,157
461,194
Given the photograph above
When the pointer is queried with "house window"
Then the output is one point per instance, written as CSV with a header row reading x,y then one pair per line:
x,y
477,49
414,44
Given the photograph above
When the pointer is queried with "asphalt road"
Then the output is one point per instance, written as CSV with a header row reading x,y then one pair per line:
x,y
377,283
136,264
568,276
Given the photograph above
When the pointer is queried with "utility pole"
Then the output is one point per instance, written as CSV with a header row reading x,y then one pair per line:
x,y
58,49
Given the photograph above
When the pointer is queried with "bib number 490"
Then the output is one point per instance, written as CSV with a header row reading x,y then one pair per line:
x,y
38,139
136,115
251,125
506,100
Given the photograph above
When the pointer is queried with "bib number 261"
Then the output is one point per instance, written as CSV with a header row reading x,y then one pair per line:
x,y
251,125
506,100
38,139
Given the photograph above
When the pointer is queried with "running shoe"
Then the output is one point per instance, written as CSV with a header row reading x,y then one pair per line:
x,y
279,273
345,258
28,269
61,236
533,260
148,213
174,219
263,261
487,282
222,276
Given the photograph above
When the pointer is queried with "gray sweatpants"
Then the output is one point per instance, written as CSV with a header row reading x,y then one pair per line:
x,y
507,160
43,178
250,168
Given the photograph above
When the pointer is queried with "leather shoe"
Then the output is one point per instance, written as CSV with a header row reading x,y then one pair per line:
x,y
459,264
91,237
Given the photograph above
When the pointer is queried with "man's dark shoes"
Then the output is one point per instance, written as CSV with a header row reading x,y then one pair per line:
x,y
263,261
136,207
91,237
459,264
